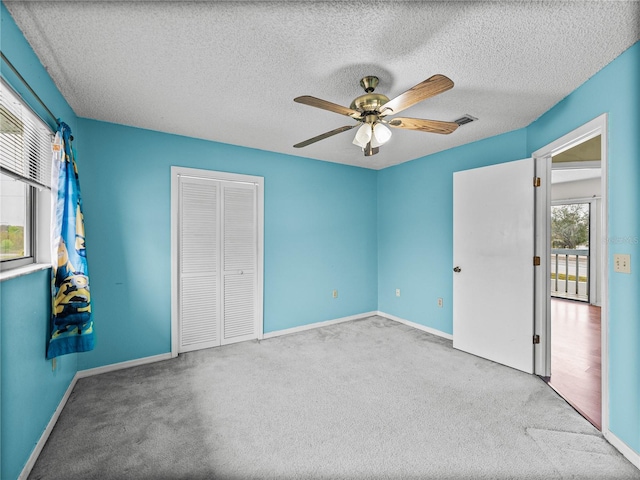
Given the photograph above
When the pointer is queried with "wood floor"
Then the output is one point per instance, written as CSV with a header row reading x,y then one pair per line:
x,y
576,356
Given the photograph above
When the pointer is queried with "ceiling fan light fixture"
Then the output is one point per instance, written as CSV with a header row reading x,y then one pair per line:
x,y
381,135
363,135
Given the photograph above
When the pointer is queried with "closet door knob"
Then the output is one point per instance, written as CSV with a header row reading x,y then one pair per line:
x,y
457,269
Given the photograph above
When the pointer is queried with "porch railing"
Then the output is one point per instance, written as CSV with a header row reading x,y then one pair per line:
x,y
570,273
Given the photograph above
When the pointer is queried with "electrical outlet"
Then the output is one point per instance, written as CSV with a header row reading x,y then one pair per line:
x,y
397,292
621,263
335,294
440,302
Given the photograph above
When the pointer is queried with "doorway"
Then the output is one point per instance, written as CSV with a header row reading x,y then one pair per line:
x,y
575,278
571,313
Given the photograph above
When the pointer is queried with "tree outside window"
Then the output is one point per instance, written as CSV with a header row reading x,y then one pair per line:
x,y
570,226
13,218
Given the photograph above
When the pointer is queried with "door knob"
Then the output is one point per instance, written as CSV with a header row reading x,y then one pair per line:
x,y
457,269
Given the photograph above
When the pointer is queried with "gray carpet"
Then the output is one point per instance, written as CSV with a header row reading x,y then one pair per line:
x,y
364,399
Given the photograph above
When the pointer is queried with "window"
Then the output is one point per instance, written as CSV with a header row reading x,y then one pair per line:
x,y
16,202
25,169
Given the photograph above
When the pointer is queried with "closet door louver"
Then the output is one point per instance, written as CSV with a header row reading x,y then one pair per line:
x,y
239,262
199,264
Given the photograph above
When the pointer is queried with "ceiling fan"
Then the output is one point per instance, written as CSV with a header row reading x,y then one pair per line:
x,y
369,111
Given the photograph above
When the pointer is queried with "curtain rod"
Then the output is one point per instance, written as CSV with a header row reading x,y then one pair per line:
x,y
26,84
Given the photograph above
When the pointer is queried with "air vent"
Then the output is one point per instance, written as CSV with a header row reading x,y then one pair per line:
x,y
465,119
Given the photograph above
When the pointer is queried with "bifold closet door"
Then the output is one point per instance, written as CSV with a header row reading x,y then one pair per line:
x,y
217,262
199,259
239,257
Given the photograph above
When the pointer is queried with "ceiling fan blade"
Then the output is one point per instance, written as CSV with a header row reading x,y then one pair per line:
x,y
324,135
431,126
430,87
325,105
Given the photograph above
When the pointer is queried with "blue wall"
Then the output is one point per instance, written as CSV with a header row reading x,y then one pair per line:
x,y
415,210
327,227
320,235
616,91
30,390
415,235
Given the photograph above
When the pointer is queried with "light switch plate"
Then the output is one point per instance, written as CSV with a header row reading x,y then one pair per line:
x,y
621,263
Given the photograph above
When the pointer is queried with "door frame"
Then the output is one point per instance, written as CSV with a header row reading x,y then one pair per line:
x,y
542,317
176,173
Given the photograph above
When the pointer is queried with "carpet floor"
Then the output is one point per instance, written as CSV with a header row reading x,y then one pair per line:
x,y
370,399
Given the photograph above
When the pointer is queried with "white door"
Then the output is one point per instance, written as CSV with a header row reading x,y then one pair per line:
x,y
493,250
239,262
218,284
198,231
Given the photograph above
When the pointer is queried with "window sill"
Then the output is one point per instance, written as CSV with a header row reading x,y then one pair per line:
x,y
25,270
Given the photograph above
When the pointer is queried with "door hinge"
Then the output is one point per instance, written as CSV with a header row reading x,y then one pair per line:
x,y
536,181
536,261
536,339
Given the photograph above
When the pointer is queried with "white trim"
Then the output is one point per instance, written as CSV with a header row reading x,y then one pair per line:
x,y
175,189
569,201
80,374
604,268
47,431
591,129
575,165
90,372
176,173
260,258
25,270
418,326
311,326
43,227
623,448
542,302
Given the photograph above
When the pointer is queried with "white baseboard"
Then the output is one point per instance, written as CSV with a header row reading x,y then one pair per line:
x,y
310,326
628,452
47,431
122,365
80,374
424,328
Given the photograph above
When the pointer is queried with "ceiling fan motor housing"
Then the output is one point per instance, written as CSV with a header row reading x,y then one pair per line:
x,y
369,102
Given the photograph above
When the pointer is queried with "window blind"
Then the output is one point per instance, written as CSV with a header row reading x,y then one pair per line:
x,y
25,141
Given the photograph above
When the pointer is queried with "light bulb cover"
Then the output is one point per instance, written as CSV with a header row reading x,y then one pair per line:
x,y
363,135
381,135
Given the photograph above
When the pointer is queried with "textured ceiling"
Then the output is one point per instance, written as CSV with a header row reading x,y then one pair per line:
x,y
228,71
